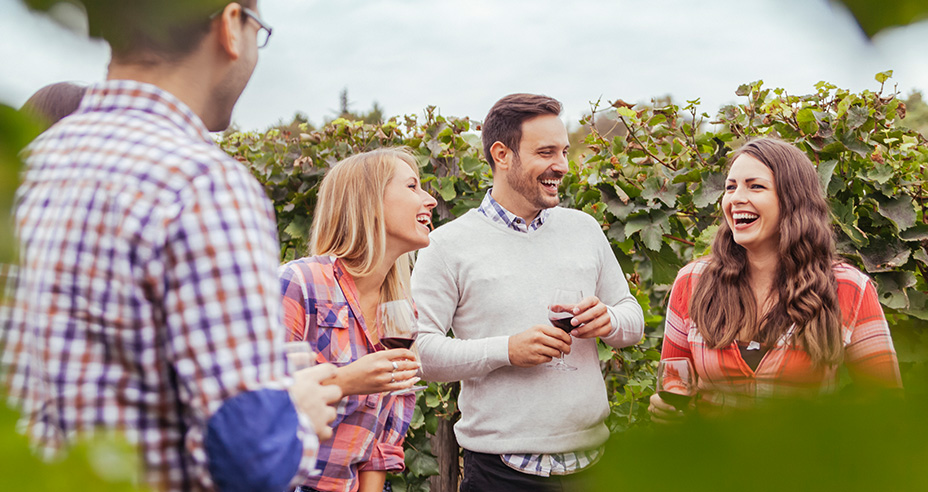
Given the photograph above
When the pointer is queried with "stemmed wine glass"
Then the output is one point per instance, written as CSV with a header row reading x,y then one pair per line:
x,y
399,323
676,382
560,312
299,355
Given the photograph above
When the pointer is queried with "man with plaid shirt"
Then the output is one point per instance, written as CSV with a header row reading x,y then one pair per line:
x,y
146,297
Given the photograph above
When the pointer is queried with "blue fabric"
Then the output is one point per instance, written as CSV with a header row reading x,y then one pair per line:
x,y
251,442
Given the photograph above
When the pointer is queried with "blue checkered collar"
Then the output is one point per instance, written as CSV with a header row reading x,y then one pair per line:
x,y
492,209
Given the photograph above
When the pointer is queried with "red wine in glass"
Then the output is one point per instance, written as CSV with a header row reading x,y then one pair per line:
x,y
679,401
560,313
560,317
398,322
397,342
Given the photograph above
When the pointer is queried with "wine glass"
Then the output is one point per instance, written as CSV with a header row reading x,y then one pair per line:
x,y
398,320
676,382
560,312
299,355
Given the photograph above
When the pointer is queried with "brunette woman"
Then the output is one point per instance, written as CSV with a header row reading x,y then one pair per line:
x,y
772,312
371,212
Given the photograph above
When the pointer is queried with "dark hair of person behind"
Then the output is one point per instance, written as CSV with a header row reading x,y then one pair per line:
x,y
504,121
722,302
154,31
53,102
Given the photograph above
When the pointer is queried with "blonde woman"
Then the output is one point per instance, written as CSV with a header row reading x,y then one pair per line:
x,y
772,312
371,211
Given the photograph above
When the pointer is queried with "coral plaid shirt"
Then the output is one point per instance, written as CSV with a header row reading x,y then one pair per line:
x,y
725,380
147,298
321,306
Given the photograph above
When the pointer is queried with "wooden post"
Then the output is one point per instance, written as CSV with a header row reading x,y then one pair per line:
x,y
445,446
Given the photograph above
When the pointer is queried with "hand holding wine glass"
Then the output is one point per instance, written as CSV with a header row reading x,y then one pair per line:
x,y
676,390
560,313
398,320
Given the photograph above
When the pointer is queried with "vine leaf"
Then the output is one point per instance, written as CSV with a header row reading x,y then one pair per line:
x,y
900,210
710,190
883,255
891,288
664,265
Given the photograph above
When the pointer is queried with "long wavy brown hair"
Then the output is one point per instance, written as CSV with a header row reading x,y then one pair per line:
x,y
805,290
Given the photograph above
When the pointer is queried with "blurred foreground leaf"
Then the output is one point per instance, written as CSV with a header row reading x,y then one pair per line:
x,y
796,445
873,17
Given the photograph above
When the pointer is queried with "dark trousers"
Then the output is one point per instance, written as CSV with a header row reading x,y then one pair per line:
x,y
488,473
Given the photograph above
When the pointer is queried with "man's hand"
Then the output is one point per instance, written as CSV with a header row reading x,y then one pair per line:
x,y
537,345
591,319
315,399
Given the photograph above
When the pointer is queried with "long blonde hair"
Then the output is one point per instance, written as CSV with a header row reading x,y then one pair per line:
x,y
722,302
348,221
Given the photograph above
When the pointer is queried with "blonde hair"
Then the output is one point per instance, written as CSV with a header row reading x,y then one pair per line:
x,y
348,221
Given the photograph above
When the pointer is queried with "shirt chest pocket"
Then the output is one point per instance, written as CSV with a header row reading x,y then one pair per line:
x,y
335,342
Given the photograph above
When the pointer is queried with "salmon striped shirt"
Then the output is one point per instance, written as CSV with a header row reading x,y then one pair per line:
x,y
726,380
322,306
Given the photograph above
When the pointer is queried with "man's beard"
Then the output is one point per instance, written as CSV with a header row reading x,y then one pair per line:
x,y
529,188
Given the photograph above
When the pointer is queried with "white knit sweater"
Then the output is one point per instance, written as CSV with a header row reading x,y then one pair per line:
x,y
485,282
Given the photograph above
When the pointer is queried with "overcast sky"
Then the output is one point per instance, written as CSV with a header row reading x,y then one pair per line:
x,y
462,56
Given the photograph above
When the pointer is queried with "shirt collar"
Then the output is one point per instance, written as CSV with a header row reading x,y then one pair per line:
x,y
130,95
492,209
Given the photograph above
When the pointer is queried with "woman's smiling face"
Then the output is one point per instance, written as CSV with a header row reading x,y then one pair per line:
x,y
751,206
407,210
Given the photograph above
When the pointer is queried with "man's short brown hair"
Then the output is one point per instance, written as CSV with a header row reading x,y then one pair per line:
x,y
504,121
142,31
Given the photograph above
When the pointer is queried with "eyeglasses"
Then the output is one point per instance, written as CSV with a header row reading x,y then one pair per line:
x,y
264,31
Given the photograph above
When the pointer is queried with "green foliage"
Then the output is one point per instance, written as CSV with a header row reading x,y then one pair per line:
x,y
291,165
17,131
103,464
874,17
835,444
652,176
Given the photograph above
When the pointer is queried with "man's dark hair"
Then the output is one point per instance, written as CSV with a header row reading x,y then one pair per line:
x,y
53,102
504,121
148,31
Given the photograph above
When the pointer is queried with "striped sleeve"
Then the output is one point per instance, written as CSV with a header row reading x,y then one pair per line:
x,y
676,325
869,353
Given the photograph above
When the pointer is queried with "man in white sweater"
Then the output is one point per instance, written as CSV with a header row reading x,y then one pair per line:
x,y
488,277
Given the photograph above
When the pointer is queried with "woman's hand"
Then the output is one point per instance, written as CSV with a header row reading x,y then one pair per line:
x,y
665,413
387,370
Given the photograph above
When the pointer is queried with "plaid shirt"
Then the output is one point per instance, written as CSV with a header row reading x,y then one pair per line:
x,y
725,380
147,297
492,209
537,464
322,306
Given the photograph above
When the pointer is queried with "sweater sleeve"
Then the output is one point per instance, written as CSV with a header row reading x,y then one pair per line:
x,y
612,290
444,358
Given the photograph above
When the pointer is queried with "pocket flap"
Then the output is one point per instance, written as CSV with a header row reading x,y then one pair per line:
x,y
333,315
